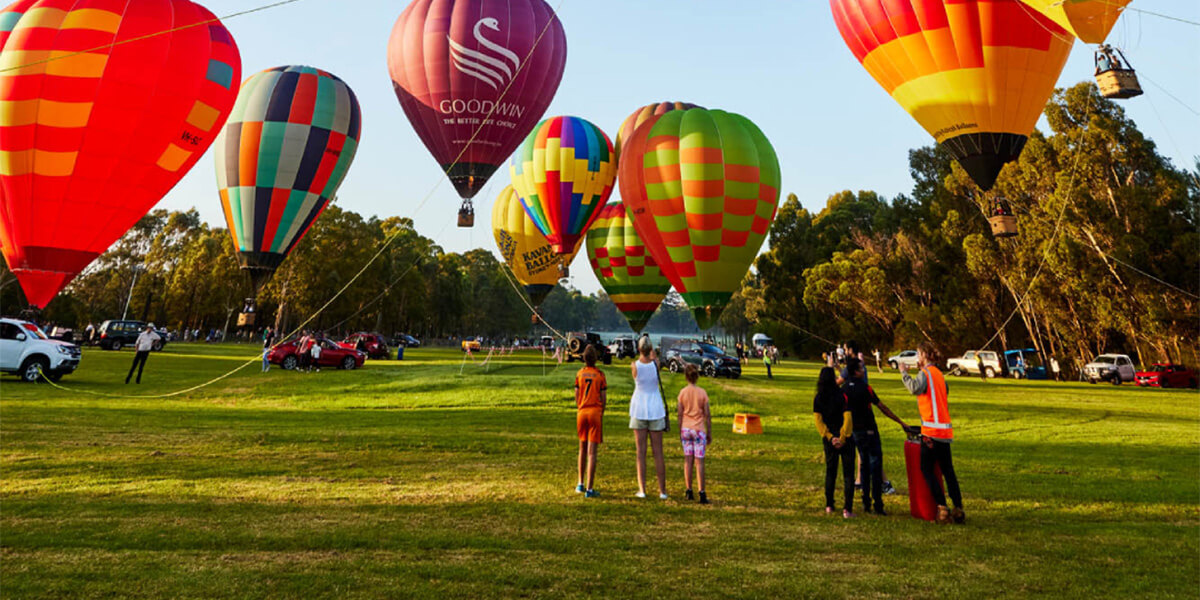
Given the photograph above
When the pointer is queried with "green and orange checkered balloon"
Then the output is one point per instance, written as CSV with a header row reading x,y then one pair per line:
x,y
628,273
702,187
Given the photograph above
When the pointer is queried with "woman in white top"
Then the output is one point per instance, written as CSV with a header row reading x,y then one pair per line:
x,y
648,415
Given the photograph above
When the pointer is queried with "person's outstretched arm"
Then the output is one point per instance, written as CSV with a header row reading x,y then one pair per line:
x,y
916,385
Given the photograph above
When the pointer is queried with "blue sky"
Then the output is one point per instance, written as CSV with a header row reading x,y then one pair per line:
x,y
780,63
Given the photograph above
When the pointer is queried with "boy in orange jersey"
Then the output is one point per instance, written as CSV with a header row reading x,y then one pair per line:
x,y
591,396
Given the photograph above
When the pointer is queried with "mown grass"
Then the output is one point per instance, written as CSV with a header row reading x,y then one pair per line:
x,y
435,478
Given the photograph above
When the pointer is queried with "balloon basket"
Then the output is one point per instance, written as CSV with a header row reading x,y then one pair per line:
x,y
1119,84
1003,226
466,215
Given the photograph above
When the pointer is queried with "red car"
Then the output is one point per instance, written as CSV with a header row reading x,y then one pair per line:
x,y
372,344
1166,375
332,355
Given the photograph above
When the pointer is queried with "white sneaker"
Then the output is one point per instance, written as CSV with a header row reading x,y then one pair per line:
x,y
640,495
662,496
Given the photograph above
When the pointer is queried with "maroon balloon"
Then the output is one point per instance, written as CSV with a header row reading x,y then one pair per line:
x,y
454,62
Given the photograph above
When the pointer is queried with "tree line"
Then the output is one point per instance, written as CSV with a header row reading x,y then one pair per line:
x,y
1107,259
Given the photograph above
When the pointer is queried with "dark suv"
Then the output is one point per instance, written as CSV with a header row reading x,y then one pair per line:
x,y
114,335
711,360
578,342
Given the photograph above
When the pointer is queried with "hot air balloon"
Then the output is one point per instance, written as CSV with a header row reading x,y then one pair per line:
x,y
702,187
280,159
474,76
624,267
1088,20
975,74
104,106
640,115
524,248
1091,21
564,172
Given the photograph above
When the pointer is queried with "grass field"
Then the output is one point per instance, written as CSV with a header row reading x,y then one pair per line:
x,y
431,478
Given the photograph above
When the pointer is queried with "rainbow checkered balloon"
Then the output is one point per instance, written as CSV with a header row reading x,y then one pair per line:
x,y
626,270
564,172
702,187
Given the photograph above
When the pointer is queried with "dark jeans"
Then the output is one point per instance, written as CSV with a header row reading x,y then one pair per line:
x,y
768,370
939,455
846,454
871,453
139,363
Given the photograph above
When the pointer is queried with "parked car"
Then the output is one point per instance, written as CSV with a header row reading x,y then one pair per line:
x,y
711,360
405,340
1113,368
905,358
547,342
471,343
1033,369
968,363
116,334
1167,375
623,347
578,342
758,343
372,344
25,351
287,355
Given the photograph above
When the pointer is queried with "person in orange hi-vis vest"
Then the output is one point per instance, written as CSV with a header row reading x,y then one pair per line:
x,y
929,386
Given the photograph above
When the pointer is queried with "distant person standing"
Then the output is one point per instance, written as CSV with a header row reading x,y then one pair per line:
x,y
982,370
766,356
929,386
89,332
303,348
648,416
143,345
268,341
695,430
591,397
835,424
860,398
878,360
315,351
741,353
1054,368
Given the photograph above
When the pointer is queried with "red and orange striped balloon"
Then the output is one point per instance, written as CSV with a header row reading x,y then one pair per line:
x,y
104,106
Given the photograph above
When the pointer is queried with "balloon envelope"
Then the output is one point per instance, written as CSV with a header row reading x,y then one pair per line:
x,y
640,115
524,248
91,141
702,187
564,172
1088,20
280,159
457,64
624,267
975,74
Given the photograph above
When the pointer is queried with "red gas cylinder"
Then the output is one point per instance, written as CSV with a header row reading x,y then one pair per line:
x,y
920,499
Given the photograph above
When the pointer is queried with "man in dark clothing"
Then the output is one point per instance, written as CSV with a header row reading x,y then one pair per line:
x,y
982,370
860,397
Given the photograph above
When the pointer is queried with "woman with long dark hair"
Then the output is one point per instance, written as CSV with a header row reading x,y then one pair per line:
x,y
835,425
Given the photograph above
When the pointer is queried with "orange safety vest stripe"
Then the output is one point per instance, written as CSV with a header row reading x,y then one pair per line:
x,y
935,411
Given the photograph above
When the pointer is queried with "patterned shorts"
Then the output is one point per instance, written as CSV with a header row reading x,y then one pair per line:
x,y
694,442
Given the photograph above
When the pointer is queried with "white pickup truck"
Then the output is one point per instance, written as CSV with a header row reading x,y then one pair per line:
x,y
25,351
968,363
1113,368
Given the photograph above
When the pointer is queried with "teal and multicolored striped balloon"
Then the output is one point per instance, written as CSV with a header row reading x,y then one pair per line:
x,y
280,159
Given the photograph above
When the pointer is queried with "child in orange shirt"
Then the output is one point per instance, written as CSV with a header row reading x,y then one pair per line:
x,y
591,396
695,429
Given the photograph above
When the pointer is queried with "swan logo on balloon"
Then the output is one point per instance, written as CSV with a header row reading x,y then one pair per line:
x,y
474,77
493,71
